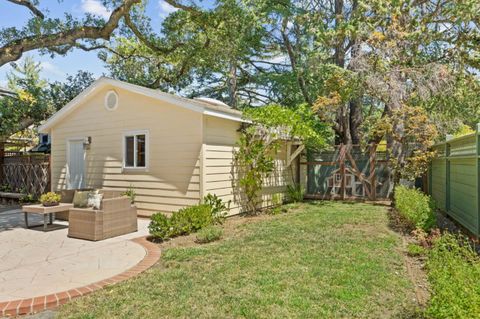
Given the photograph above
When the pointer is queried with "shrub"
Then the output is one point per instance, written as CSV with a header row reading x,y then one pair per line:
x,y
190,219
417,208
415,250
209,234
295,193
219,209
454,276
182,222
160,226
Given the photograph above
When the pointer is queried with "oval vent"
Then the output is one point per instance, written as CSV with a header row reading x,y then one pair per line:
x,y
111,100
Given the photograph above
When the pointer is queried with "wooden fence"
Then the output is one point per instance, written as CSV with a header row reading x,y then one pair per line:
x,y
454,179
29,174
347,172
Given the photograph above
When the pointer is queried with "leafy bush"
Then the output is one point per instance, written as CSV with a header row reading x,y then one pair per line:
x,y
417,208
209,234
160,226
415,250
191,219
50,198
218,207
295,193
454,275
183,222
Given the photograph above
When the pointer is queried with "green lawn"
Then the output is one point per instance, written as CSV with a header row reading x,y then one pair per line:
x,y
321,259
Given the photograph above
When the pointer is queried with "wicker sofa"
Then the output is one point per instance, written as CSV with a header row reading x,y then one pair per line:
x,y
115,217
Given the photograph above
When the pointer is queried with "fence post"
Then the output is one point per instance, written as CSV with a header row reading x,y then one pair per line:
x,y
2,158
373,162
447,173
477,145
342,171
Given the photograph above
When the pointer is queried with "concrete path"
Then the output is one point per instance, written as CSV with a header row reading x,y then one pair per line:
x,y
35,263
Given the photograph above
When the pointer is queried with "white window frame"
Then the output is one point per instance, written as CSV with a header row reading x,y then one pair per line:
x,y
147,149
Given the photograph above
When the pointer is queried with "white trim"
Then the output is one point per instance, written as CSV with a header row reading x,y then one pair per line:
x,y
196,106
68,141
147,150
105,102
222,115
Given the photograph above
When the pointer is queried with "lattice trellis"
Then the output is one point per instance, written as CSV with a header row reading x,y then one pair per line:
x,y
30,178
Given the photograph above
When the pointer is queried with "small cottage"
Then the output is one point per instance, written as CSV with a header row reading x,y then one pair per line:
x,y
171,150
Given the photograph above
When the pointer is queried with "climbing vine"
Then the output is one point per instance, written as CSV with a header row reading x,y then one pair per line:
x,y
268,127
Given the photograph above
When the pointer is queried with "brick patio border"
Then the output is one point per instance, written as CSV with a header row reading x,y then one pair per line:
x,y
36,304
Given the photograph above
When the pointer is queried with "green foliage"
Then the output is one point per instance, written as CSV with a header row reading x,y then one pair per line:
x,y
190,219
291,123
417,208
209,234
295,193
415,250
258,145
60,93
27,198
454,273
5,188
31,104
218,207
183,222
131,193
160,226
50,198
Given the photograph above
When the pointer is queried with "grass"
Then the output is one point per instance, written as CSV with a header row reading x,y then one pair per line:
x,y
322,260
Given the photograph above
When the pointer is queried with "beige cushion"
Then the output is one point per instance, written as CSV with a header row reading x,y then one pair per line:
x,y
80,199
94,200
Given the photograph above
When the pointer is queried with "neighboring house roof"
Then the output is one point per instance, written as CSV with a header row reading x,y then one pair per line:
x,y
195,105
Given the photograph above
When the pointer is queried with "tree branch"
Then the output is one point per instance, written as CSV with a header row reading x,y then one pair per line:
x,y
13,50
30,7
152,46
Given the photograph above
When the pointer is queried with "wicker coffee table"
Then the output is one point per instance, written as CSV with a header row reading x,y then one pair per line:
x,y
46,211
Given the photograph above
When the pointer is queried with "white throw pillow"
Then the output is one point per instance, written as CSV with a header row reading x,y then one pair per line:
x,y
94,200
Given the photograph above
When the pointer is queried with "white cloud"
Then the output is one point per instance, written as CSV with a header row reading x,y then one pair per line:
x,y
165,9
95,7
51,69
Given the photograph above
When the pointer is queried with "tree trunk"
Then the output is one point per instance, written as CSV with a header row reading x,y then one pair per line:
x,y
356,119
232,85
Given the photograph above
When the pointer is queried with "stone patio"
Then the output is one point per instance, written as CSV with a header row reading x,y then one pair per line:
x,y
36,263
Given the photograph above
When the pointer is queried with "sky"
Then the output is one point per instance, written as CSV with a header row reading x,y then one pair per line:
x,y
57,68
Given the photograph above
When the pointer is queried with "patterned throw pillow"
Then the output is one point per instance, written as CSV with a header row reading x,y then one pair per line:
x,y
80,199
94,200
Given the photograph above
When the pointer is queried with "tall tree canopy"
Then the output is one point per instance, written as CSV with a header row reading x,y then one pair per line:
x,y
397,71
58,36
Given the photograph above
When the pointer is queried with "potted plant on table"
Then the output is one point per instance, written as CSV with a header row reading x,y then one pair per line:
x,y
50,199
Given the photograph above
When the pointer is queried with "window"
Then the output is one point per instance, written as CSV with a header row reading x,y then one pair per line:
x,y
135,146
111,100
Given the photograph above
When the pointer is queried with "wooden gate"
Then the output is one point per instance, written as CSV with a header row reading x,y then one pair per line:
x,y
348,171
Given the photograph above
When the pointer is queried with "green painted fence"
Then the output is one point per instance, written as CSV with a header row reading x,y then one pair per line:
x,y
454,179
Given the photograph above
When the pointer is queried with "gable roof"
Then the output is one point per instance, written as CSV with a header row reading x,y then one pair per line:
x,y
190,104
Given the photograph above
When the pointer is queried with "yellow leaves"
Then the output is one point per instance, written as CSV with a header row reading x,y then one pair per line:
x,y
323,102
26,97
377,36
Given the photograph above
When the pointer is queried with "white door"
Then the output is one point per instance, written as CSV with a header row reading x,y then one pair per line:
x,y
76,164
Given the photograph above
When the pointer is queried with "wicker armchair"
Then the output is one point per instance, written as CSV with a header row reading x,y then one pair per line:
x,y
115,217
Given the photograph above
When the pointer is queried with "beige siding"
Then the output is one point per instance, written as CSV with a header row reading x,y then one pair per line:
x,y
175,141
221,137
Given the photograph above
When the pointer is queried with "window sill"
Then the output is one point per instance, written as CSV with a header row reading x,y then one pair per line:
x,y
134,169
